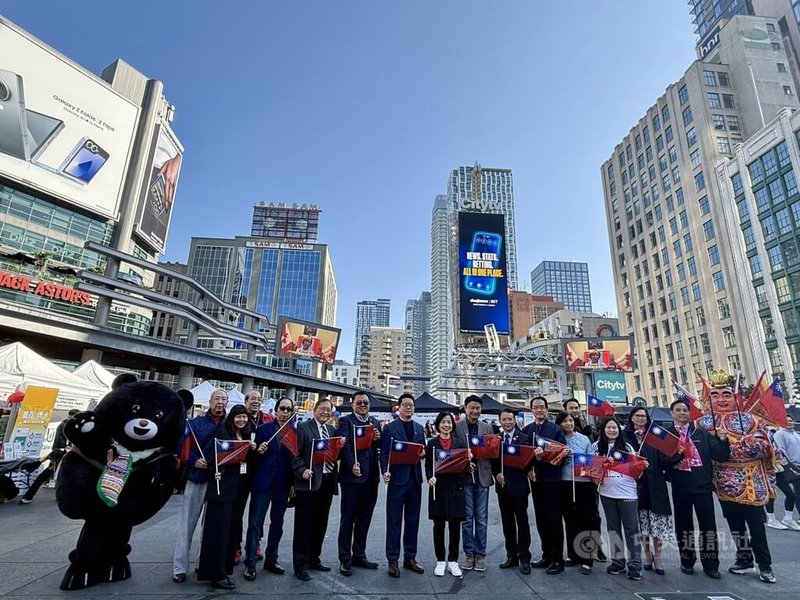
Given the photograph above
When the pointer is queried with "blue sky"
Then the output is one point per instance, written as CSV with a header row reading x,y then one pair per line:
x,y
364,107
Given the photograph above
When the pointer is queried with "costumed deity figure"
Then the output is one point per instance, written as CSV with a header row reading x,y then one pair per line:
x,y
746,481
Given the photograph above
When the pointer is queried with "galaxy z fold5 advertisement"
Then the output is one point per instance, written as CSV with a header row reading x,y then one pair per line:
x,y
63,131
483,286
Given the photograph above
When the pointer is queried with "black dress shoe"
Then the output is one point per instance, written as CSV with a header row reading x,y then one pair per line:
x,y
540,564
713,573
394,569
303,575
320,567
179,578
346,568
687,570
555,568
274,567
250,573
510,563
364,563
412,565
571,563
223,584
525,567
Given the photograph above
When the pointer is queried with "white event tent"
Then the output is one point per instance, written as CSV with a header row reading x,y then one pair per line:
x,y
95,373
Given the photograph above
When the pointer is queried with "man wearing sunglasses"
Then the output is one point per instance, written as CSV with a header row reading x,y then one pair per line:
x,y
271,485
359,479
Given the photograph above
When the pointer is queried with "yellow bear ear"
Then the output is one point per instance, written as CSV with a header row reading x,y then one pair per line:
x,y
187,397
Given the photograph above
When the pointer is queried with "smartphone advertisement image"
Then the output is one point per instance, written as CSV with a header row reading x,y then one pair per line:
x,y
63,131
483,289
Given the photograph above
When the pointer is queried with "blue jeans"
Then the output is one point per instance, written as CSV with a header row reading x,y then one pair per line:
x,y
473,529
259,504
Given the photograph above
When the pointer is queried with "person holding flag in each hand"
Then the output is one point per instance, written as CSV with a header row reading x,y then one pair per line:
x,y
446,459
315,486
228,450
359,479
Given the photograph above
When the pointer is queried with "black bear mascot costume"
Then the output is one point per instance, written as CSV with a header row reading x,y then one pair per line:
x,y
120,472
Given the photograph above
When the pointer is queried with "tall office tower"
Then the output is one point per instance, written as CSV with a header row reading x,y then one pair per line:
x,y
418,339
442,337
384,360
675,282
566,282
288,223
708,13
369,313
758,184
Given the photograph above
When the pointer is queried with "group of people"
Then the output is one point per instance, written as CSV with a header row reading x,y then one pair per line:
x,y
726,452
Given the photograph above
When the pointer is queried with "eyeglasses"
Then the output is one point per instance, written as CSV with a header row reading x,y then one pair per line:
x,y
321,409
362,403
286,408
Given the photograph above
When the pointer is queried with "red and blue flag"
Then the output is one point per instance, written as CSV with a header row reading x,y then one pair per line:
x,y
599,408
485,446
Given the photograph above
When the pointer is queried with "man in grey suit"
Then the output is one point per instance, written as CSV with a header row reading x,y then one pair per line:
x,y
315,486
473,529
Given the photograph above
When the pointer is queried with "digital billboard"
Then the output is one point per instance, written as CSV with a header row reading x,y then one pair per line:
x,y
483,286
599,354
610,386
307,341
158,196
63,131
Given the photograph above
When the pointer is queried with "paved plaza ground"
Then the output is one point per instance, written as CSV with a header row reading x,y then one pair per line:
x,y
35,540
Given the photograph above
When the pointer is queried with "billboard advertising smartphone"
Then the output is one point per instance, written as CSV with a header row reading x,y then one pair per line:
x,y
63,131
483,286
158,196
599,354
307,341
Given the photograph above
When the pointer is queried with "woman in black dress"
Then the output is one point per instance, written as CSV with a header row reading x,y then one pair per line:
x,y
217,548
446,500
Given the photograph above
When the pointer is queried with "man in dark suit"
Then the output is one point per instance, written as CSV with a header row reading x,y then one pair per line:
x,y
405,489
476,489
315,486
512,498
359,478
546,489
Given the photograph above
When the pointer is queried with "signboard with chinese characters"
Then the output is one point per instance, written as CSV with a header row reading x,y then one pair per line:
x,y
33,418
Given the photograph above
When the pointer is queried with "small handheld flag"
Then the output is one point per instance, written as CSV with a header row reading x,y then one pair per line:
x,y
288,436
662,440
451,461
485,446
589,465
517,456
326,450
231,451
364,436
405,453
599,408
554,452
625,463
695,406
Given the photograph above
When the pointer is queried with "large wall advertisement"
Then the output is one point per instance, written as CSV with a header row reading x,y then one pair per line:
x,y
158,196
62,131
483,286
307,341
599,354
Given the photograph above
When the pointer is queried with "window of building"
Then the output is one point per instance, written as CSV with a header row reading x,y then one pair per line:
x,y
700,182
704,343
683,94
709,78
718,121
673,226
775,255
676,174
723,79
691,137
755,265
681,271
723,308
693,346
688,316
685,295
660,143
749,238
704,205
684,219
696,291
719,281
648,154
782,290
638,141
714,101
770,161
729,337
694,157
713,255
673,154
781,68
784,221
733,122
738,186
791,183
692,266
687,115
727,101
708,230
787,90
770,28
768,229
723,145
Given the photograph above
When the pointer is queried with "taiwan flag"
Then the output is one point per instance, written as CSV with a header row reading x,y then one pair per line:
x,y
450,461
589,465
405,453
364,436
599,408
554,452
695,406
517,456
327,450
231,451
662,440
485,446
625,463
189,443
288,435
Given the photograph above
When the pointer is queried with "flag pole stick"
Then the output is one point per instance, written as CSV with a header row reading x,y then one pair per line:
x,y
216,465
355,443
639,451
572,461
434,475
311,464
389,460
197,443
281,427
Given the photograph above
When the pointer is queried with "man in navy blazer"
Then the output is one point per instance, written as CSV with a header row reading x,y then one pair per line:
x,y
404,496
314,485
359,477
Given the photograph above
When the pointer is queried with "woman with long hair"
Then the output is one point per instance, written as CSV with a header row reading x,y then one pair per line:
x,y
655,511
218,545
619,497
446,498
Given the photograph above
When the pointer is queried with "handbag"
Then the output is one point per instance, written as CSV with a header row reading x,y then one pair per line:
x,y
791,472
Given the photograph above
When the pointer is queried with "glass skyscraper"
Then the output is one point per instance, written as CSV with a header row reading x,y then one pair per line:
x,y
566,282
369,313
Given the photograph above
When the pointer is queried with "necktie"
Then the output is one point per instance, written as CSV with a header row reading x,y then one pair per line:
x,y
508,439
327,467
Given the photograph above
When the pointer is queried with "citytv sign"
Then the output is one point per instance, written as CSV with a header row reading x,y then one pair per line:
x,y
610,386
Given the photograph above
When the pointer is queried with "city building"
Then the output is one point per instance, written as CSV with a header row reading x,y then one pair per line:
x,y
565,281
165,326
369,313
344,372
674,273
298,223
758,184
418,340
442,340
384,360
527,309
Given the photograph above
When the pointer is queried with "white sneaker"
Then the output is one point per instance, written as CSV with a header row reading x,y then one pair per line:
x,y
774,523
454,569
790,524
439,569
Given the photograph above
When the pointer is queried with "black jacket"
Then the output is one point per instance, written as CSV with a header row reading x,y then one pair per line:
x,y
450,502
307,434
700,479
548,430
516,480
367,459
232,479
651,487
